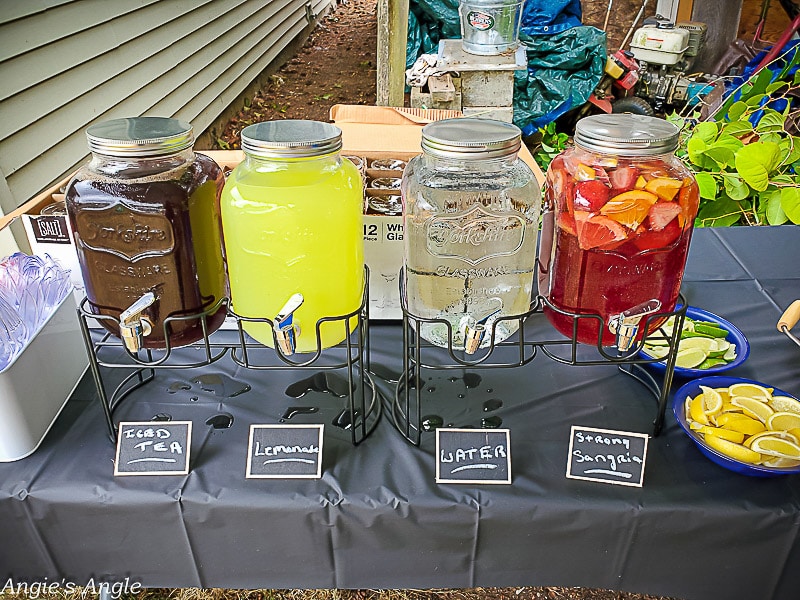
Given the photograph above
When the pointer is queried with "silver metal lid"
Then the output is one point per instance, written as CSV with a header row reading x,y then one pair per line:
x,y
291,139
140,136
626,134
471,139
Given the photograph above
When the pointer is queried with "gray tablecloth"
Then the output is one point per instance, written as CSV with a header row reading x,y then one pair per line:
x,y
377,519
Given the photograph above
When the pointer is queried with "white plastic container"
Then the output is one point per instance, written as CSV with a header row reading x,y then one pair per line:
x,y
36,386
660,46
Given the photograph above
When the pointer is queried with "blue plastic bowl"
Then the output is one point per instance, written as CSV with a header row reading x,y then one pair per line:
x,y
692,389
735,336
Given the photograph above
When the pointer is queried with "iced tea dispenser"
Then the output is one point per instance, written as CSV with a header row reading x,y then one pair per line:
x,y
145,217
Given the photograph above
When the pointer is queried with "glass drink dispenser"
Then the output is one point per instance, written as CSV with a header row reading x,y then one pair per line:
x,y
145,217
471,211
292,223
618,218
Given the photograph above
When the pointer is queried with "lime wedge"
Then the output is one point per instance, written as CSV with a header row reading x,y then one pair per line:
x,y
711,362
710,330
690,357
719,349
705,344
656,351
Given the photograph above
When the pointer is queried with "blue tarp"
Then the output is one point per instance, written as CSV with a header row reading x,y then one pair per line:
x,y
565,59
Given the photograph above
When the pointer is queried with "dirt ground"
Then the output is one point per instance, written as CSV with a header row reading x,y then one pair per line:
x,y
337,65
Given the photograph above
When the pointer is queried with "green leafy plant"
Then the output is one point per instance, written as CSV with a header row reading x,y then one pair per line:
x,y
551,145
745,160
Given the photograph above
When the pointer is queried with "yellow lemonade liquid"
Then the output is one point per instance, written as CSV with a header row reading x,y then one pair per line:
x,y
295,226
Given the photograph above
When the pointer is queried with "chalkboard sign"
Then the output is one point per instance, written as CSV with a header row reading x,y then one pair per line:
x,y
607,456
153,448
285,452
473,456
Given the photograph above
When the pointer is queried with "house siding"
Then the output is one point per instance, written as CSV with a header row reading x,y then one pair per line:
x,y
67,64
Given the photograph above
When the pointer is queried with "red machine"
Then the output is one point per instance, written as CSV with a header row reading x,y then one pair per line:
x,y
619,79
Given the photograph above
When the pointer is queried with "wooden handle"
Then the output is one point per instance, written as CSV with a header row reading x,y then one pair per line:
x,y
790,316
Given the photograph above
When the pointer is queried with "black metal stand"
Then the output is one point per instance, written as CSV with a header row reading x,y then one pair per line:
x,y
350,359
517,351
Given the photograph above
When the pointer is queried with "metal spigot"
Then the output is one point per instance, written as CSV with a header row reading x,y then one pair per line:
x,y
133,325
286,330
474,329
626,324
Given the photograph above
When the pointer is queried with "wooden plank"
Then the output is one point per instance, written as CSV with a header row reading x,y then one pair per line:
x,y
685,10
392,34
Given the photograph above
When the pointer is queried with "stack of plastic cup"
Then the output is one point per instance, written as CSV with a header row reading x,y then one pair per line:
x,y
31,289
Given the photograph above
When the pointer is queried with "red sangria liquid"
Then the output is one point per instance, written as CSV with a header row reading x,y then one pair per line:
x,y
616,233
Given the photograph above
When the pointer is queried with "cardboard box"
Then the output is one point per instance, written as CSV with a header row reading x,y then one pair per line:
x,y
374,133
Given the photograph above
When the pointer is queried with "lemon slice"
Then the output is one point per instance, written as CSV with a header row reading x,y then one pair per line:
x,y
726,417
785,435
750,390
733,450
727,407
753,408
712,400
785,404
783,421
725,434
775,446
744,424
780,463
697,409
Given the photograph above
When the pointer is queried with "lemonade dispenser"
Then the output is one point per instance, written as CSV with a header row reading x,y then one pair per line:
x,y
292,225
619,214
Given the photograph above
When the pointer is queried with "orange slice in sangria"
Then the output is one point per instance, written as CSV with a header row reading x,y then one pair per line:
x,y
687,200
629,208
664,187
597,231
